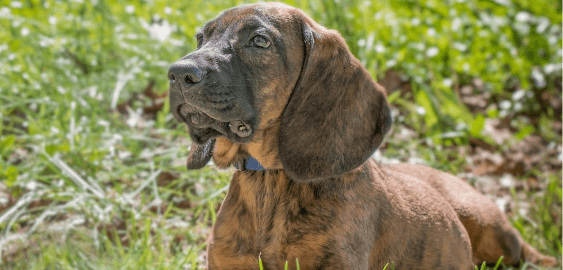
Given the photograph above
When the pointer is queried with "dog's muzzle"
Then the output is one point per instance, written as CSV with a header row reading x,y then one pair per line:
x,y
205,112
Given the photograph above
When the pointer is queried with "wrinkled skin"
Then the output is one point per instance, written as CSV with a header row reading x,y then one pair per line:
x,y
238,78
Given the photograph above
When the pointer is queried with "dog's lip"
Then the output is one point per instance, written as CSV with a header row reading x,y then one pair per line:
x,y
193,115
199,120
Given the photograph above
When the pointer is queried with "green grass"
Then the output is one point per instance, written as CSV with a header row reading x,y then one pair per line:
x,y
542,228
88,178
76,250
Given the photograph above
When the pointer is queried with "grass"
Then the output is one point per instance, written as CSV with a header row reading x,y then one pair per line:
x,y
92,173
390,265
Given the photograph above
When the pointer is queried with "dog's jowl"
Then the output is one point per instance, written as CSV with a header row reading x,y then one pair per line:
x,y
281,98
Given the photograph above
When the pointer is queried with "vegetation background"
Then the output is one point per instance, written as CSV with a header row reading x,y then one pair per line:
x,y
92,166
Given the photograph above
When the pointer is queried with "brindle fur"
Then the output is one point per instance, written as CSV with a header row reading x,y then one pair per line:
x,y
321,199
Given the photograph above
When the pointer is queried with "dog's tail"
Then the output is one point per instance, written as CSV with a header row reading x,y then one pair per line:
x,y
529,254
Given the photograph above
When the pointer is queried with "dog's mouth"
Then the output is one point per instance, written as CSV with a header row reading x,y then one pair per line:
x,y
204,127
208,118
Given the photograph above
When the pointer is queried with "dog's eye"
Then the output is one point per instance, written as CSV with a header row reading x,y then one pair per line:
x,y
261,42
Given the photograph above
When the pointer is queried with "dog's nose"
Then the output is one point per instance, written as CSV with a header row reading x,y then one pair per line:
x,y
185,72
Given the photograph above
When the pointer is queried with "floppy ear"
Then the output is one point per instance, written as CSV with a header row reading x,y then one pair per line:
x,y
200,154
336,116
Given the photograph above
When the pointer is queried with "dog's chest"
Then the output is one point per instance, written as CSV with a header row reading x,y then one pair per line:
x,y
265,214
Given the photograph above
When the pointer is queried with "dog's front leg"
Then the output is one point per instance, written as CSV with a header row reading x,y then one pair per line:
x,y
231,243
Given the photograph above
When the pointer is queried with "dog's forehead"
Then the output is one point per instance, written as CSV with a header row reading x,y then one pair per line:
x,y
249,16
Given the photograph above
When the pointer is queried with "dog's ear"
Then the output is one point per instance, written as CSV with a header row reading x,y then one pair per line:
x,y
336,116
200,154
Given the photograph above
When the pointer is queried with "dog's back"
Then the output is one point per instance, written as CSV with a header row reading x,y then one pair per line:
x,y
489,230
419,213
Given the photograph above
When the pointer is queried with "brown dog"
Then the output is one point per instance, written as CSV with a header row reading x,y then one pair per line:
x,y
267,83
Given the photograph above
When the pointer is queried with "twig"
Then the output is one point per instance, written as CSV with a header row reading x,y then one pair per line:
x,y
74,176
24,201
54,211
121,82
79,63
131,195
215,194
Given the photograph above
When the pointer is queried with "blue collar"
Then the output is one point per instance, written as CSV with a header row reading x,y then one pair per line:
x,y
250,164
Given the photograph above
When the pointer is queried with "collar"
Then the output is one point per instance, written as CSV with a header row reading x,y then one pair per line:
x,y
250,164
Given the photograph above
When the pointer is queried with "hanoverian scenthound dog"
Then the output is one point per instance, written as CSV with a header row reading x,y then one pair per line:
x,y
280,97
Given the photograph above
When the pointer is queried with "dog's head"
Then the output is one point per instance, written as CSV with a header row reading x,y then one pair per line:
x,y
268,81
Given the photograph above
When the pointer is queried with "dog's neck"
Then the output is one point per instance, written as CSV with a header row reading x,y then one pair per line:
x,y
227,153
259,154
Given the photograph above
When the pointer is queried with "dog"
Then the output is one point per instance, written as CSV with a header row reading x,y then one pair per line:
x,y
281,98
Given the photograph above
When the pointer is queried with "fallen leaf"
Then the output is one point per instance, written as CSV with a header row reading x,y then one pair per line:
x,y
165,178
485,162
